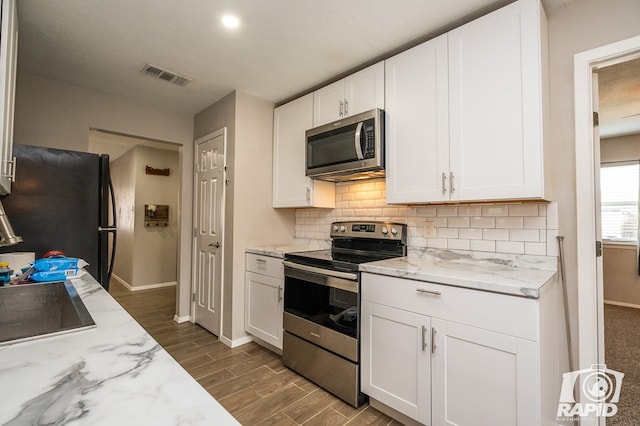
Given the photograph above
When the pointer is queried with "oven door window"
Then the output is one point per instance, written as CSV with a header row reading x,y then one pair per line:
x,y
328,306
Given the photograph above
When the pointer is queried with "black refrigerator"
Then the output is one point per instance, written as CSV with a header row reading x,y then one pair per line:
x,y
61,200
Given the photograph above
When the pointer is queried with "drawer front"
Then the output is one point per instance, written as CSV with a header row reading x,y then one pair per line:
x,y
512,315
265,265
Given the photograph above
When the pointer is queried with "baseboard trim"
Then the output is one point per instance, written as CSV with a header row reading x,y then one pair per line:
x,y
626,305
237,342
180,320
143,287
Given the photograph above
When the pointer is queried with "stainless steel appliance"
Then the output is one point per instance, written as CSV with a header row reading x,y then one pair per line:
x,y
322,304
347,149
63,200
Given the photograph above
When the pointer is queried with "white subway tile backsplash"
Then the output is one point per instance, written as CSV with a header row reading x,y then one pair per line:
x,y
481,245
454,244
447,232
447,211
482,222
458,222
524,235
470,233
495,210
469,210
495,234
520,228
539,222
509,247
510,222
523,210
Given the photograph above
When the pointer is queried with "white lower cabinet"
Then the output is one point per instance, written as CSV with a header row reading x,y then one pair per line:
x,y
264,280
443,355
399,378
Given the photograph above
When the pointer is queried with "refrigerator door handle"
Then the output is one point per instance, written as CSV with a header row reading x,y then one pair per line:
x,y
112,229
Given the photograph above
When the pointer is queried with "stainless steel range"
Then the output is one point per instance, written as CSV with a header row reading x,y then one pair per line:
x,y
322,304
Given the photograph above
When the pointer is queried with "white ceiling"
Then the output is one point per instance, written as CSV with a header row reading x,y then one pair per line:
x,y
282,48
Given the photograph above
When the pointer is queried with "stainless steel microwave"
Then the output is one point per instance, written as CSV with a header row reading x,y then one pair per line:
x,y
347,149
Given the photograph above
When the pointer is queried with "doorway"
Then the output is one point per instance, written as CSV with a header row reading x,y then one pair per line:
x,y
209,197
146,252
590,273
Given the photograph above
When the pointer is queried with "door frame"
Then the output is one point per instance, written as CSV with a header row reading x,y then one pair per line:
x,y
590,286
220,132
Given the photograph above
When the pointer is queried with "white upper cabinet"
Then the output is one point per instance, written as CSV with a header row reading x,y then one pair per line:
x,y
417,123
486,81
359,92
291,187
8,61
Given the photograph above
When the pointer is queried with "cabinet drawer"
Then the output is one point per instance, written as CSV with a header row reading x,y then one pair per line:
x,y
265,265
512,315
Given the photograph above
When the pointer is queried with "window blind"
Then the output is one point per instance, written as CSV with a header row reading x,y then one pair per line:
x,y
619,192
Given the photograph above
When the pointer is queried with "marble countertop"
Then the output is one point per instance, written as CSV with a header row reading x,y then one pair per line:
x,y
279,250
113,374
513,275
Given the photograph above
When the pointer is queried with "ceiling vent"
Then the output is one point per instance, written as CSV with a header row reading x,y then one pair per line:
x,y
170,76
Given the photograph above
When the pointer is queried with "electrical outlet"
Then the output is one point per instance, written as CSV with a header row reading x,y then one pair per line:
x,y
429,229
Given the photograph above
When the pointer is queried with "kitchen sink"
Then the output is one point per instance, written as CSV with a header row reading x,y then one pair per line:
x,y
32,311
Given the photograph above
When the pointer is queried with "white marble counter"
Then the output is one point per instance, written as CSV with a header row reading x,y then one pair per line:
x,y
279,250
114,374
506,274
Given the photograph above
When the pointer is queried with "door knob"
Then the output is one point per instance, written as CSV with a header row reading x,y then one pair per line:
x,y
216,245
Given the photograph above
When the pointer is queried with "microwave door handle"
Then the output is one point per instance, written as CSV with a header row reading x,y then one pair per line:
x,y
357,141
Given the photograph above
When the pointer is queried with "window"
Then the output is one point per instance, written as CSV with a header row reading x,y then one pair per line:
x,y
619,189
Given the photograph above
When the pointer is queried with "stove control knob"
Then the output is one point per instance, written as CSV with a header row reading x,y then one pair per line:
x,y
335,228
343,229
385,231
394,231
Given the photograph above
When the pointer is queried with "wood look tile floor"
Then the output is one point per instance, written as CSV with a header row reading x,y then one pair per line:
x,y
249,381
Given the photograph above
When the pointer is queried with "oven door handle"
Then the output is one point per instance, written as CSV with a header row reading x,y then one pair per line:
x,y
344,275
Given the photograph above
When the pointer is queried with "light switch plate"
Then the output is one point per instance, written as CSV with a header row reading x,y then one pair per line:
x,y
429,229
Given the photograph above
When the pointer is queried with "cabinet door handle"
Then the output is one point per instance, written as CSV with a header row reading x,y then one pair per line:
x,y
424,340
346,108
424,290
308,194
12,173
451,183
341,108
279,293
444,183
433,339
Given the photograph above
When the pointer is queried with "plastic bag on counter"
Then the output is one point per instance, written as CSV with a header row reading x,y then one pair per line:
x,y
59,275
51,264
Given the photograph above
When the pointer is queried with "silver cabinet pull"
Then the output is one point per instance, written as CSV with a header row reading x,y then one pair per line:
x,y
424,341
12,174
424,290
341,109
433,339
346,108
308,194
279,293
444,183
451,184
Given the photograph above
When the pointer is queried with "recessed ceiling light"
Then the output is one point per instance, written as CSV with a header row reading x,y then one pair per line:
x,y
230,21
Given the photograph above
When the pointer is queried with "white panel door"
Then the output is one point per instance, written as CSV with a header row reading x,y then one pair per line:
x,y
482,377
328,103
209,226
264,307
417,124
495,105
364,90
396,359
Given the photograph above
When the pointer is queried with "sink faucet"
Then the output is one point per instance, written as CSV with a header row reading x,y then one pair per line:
x,y
7,236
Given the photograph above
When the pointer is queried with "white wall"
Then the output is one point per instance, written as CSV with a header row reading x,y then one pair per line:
x,y
123,177
582,25
155,248
59,115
